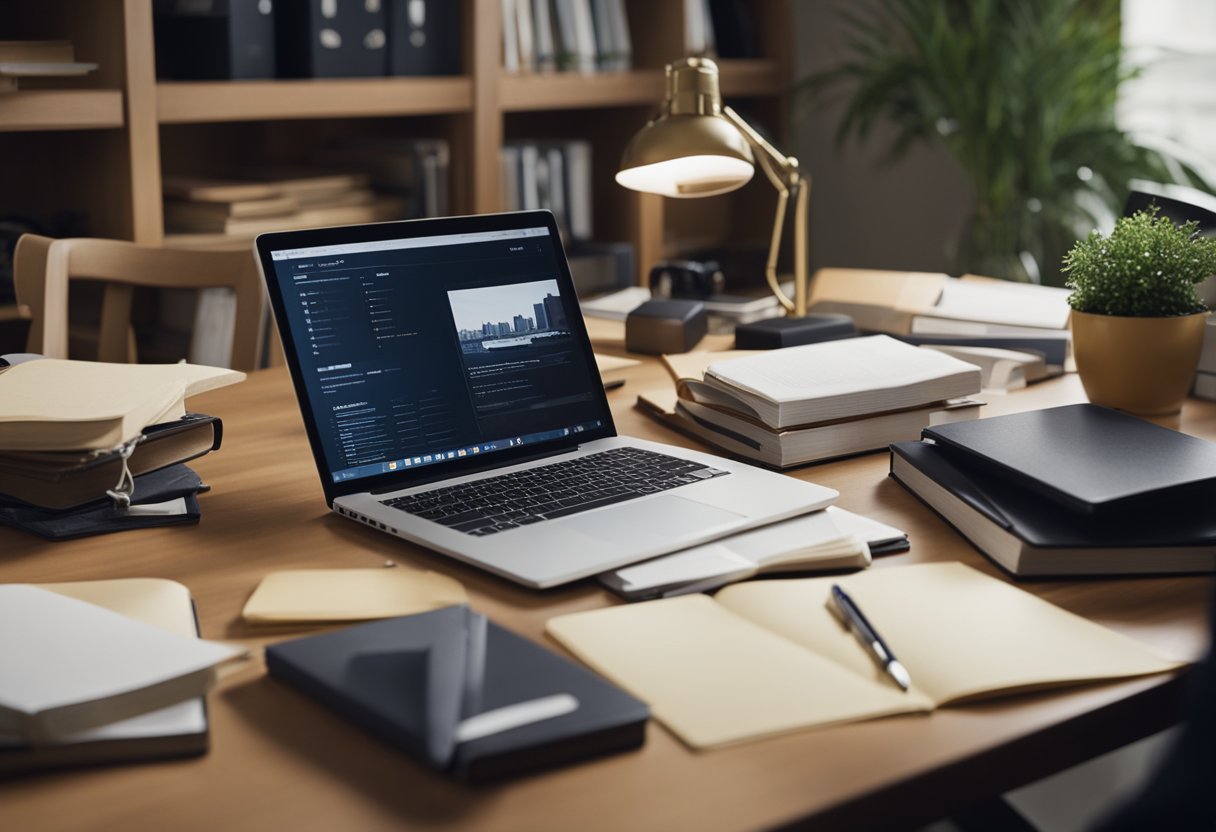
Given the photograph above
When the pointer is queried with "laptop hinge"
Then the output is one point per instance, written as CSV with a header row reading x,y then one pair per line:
x,y
449,475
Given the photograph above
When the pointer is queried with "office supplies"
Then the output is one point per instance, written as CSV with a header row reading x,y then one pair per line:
x,y
1085,457
175,731
832,539
62,405
301,596
854,619
776,659
65,479
834,380
70,665
1030,535
165,497
662,326
775,333
430,683
451,398
331,40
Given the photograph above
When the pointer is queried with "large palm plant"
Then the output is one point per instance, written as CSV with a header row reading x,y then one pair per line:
x,y
1022,95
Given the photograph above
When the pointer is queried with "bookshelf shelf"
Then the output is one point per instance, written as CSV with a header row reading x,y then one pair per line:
x,y
32,110
180,102
132,129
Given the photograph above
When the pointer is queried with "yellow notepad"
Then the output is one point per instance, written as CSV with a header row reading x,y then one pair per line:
x,y
767,657
299,596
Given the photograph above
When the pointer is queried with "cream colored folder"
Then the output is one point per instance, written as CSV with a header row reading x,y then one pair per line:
x,y
298,596
55,404
767,657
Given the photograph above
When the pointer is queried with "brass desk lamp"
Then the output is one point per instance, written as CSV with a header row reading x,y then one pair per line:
x,y
697,147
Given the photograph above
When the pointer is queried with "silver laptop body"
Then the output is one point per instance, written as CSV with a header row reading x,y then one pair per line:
x,y
440,361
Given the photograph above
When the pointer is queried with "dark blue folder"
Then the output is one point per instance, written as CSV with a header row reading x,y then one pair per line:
x,y
413,681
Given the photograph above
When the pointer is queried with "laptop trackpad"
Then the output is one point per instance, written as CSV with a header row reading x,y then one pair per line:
x,y
659,518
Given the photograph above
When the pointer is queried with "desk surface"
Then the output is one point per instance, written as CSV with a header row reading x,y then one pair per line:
x,y
280,761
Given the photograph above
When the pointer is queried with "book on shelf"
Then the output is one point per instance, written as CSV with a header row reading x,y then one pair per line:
x,y
465,696
832,380
555,175
751,439
177,730
71,666
930,303
778,660
63,405
20,59
822,541
1030,535
65,479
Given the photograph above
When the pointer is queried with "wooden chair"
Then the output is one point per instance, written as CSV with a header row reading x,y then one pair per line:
x,y
43,268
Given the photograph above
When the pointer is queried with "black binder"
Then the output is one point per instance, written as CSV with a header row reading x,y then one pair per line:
x,y
422,682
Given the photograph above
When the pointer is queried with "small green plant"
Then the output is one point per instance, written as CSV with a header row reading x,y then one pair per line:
x,y
1147,267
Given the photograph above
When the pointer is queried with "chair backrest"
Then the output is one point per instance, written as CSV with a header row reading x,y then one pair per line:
x,y
43,268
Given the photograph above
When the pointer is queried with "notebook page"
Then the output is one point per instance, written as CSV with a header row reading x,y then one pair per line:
x,y
715,678
959,633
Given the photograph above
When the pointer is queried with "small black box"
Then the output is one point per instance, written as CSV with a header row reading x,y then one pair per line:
x,y
331,39
775,333
423,37
198,40
665,326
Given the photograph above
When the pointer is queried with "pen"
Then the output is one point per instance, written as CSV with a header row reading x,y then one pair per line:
x,y
856,621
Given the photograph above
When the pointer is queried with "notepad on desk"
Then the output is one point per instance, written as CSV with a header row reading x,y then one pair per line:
x,y
768,657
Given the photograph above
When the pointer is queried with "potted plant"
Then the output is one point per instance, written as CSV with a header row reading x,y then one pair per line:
x,y
1137,320
1021,94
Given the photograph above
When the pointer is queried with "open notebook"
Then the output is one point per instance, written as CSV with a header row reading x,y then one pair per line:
x,y
767,657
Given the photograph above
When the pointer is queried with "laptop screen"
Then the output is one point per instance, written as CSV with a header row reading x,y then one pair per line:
x,y
435,347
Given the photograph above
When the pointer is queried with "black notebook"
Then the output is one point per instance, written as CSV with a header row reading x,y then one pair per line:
x,y
1030,535
1085,457
462,694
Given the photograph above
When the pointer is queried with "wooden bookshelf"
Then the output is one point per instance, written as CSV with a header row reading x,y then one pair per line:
x,y
132,129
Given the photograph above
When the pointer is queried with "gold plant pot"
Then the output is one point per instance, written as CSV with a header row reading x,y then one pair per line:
x,y
1142,365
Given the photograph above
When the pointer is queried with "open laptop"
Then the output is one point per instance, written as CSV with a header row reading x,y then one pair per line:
x,y
451,398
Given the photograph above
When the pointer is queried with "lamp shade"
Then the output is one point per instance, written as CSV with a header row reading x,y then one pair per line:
x,y
687,156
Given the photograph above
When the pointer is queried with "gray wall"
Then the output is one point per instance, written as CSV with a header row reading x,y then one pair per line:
x,y
866,213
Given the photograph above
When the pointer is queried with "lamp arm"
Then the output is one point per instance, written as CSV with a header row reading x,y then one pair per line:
x,y
782,171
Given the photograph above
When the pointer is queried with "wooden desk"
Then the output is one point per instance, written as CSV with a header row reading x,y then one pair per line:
x,y
280,761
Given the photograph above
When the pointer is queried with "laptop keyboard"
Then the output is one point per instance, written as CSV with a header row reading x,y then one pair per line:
x,y
506,502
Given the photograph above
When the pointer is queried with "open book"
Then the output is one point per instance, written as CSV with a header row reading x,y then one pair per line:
x,y
53,404
767,657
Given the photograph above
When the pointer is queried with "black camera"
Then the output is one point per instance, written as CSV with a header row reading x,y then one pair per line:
x,y
686,279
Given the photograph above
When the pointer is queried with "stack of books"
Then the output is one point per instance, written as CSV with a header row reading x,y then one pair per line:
x,y
1074,490
202,211
969,314
554,175
79,440
565,35
1205,375
820,401
101,671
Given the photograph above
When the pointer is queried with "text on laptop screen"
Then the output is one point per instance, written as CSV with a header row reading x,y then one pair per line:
x,y
422,350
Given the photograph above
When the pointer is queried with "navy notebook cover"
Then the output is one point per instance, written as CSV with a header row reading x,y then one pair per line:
x,y
1084,457
1043,523
402,680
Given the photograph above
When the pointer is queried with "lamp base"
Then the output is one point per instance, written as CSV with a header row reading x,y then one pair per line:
x,y
774,333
